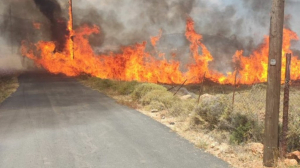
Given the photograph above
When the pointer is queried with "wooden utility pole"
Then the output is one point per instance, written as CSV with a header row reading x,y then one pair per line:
x,y
271,138
71,25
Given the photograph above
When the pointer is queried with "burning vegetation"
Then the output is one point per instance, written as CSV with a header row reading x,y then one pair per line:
x,y
70,52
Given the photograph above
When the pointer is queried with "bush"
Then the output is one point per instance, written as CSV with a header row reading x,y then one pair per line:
x,y
241,134
142,89
294,131
244,128
182,107
246,122
105,84
212,109
125,88
100,84
120,87
163,96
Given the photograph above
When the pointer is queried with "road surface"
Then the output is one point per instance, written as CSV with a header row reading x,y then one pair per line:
x,y
55,122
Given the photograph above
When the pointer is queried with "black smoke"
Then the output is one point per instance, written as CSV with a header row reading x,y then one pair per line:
x,y
52,11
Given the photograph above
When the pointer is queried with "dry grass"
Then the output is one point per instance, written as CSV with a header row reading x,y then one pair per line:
x,y
8,85
109,86
214,124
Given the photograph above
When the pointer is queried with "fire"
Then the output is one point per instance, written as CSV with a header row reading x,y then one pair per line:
x,y
197,70
36,25
135,63
155,39
253,69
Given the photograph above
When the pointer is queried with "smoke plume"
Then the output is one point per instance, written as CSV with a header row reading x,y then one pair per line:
x,y
226,26
52,11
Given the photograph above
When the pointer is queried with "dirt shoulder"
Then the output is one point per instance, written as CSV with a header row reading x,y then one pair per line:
x,y
181,112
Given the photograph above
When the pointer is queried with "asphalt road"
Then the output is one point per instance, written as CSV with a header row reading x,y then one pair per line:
x,y
54,121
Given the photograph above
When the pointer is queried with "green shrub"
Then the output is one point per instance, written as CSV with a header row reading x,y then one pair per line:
x,y
105,84
100,84
241,134
242,128
245,128
125,88
182,107
246,122
120,87
142,89
163,96
213,109
294,130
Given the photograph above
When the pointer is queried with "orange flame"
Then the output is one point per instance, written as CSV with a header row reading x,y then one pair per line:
x,y
36,25
155,39
253,69
197,70
135,63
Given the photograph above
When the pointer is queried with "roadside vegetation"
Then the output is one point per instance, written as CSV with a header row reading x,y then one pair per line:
x,y
8,85
233,132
